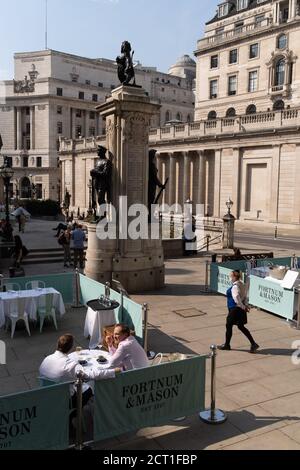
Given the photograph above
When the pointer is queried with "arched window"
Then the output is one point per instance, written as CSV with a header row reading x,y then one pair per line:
x,y
251,109
230,112
282,41
278,105
212,115
25,188
189,119
178,117
168,116
280,73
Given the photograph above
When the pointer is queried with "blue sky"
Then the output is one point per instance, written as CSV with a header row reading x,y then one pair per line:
x,y
160,30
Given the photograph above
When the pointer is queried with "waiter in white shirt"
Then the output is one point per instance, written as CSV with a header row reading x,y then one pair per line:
x,y
60,368
128,354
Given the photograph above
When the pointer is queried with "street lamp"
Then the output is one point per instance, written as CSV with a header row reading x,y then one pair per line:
x,y
6,172
229,205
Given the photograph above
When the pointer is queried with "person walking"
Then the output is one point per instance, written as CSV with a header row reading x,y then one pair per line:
x,y
78,237
65,241
18,252
236,302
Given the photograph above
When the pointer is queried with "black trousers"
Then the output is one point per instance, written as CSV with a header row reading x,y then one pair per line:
x,y
237,317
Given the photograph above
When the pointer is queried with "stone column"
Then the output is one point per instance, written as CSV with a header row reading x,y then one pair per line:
x,y
217,182
19,129
292,9
86,123
137,263
275,183
236,174
202,178
173,180
32,127
187,177
73,123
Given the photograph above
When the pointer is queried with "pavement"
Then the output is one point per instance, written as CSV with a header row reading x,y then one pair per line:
x,y
260,392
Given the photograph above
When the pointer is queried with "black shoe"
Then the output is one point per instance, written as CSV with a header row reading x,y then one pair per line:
x,y
254,348
224,347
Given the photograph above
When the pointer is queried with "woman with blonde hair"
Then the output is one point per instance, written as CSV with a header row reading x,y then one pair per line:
x,y
238,309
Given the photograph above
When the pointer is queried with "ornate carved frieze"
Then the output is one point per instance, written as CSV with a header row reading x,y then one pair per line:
x,y
136,128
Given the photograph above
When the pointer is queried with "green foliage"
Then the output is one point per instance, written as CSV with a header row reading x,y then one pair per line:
x,y
37,208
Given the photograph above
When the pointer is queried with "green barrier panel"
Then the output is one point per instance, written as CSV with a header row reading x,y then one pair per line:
x,y
220,273
36,420
90,289
63,283
271,297
149,397
132,314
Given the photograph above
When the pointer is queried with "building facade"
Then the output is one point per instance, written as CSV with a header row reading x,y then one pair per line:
x,y
54,95
245,141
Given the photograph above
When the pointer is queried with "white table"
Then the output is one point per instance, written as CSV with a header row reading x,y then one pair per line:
x,y
95,322
92,364
34,298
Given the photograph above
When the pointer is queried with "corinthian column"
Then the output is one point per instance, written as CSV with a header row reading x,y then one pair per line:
x,y
202,177
173,180
187,177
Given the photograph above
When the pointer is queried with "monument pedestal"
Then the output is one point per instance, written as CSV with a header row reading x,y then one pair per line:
x,y
137,264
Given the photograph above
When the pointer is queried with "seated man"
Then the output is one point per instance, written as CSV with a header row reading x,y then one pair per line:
x,y
129,354
60,368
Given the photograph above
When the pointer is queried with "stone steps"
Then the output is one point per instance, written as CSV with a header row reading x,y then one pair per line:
x,y
45,256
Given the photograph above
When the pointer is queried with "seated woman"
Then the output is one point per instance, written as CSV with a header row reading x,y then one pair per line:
x,y
128,354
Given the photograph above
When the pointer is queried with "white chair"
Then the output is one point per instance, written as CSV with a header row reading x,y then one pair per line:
x,y
17,313
35,285
46,309
13,286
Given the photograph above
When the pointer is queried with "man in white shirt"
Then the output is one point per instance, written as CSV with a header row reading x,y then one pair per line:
x,y
128,354
60,368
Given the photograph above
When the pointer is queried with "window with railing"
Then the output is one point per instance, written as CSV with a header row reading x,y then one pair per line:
x,y
232,85
253,81
213,89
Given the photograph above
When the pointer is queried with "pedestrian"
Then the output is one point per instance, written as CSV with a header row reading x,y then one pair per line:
x,y
78,237
22,223
238,310
19,251
65,241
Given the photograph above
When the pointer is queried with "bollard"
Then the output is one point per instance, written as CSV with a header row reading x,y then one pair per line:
x,y
213,416
79,436
77,290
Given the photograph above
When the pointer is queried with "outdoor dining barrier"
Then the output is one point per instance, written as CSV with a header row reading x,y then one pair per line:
x,y
26,423
133,400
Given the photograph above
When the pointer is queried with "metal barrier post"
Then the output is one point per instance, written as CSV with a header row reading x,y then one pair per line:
x,y
107,290
151,354
122,303
213,416
276,233
79,436
77,290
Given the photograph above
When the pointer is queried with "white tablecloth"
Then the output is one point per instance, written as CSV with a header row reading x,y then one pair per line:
x,y
33,300
94,323
92,364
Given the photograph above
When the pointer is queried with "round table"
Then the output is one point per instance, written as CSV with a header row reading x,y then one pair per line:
x,y
98,316
91,358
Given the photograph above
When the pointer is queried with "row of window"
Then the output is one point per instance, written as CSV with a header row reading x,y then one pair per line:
x,y
179,117
279,80
251,109
25,164
79,113
253,52
223,9
78,130
81,94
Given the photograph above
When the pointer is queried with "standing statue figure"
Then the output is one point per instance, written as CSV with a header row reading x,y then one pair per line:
x,y
126,71
154,181
101,181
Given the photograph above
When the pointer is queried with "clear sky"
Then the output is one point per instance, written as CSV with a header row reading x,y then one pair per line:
x,y
160,30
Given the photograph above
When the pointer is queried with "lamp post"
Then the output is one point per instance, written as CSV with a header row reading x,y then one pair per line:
x,y
228,226
90,186
6,172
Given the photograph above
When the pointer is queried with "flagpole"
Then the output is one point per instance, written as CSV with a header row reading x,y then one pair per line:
x,y
46,25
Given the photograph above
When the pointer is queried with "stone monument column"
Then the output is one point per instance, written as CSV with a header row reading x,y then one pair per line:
x,y
137,264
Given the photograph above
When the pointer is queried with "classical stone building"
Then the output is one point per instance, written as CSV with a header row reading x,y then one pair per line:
x,y
245,141
54,95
